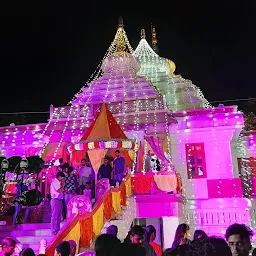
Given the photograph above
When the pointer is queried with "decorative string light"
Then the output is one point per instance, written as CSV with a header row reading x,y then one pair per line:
x,y
167,128
52,130
81,95
219,118
179,92
246,172
120,34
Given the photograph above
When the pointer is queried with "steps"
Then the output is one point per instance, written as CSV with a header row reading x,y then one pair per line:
x,y
46,212
123,223
125,220
28,235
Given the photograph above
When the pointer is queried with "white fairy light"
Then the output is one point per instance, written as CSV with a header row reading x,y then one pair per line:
x,y
180,93
55,116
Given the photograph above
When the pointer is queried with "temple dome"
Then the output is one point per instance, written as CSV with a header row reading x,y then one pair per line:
x,y
120,61
157,62
172,66
149,59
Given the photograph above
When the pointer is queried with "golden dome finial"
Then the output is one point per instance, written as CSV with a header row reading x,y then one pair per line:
x,y
120,40
142,34
172,66
120,22
154,40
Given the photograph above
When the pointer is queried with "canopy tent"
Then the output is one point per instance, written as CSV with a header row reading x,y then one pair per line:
x,y
53,150
103,135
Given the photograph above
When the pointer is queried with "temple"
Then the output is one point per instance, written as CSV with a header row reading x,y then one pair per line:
x,y
204,153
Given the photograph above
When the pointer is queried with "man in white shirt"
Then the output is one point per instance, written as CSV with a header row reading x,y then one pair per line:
x,y
85,174
57,191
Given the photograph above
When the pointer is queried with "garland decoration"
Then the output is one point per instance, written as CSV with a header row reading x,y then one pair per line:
x,y
104,144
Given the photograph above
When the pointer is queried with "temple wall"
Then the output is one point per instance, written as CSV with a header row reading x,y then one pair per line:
x,y
215,201
218,157
215,215
20,142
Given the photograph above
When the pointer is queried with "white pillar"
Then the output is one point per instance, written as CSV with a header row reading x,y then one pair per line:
x,y
169,228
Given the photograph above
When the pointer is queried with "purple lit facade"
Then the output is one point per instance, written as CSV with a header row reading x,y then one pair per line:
x,y
204,143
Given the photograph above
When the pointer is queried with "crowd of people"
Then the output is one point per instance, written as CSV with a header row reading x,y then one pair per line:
x,y
141,242
8,246
70,182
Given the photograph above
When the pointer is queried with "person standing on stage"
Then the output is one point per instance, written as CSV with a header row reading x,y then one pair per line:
x,y
61,165
57,195
70,185
119,168
105,171
148,162
85,174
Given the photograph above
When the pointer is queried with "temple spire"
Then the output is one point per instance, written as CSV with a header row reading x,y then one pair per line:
x,y
120,37
120,22
154,40
142,34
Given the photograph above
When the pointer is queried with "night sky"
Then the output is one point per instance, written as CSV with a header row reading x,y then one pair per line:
x,y
49,49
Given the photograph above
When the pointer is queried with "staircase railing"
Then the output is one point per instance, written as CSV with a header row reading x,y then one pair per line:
x,y
83,227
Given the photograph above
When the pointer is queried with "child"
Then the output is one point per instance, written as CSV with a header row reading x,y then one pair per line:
x,y
87,190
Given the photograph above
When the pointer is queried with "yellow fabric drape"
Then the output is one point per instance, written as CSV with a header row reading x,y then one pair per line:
x,y
166,183
98,218
131,154
128,186
95,158
74,234
116,201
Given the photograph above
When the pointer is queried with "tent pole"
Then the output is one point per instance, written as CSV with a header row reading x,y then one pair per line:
x,y
95,185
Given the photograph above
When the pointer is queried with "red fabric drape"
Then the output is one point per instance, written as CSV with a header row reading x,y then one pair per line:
x,y
123,194
141,158
86,231
142,184
107,206
76,157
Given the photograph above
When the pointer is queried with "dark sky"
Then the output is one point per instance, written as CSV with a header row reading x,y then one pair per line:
x,y
50,48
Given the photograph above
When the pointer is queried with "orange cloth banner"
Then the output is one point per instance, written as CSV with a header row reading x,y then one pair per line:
x,y
86,226
123,194
96,157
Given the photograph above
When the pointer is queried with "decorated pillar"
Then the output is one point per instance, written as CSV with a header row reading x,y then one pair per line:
x,y
202,154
